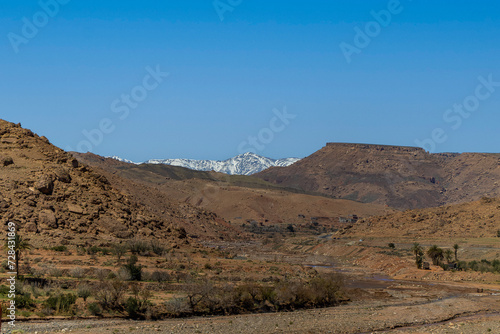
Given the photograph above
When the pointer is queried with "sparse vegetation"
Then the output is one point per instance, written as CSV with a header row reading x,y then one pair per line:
x,y
60,248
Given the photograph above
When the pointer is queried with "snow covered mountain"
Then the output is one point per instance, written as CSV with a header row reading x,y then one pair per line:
x,y
243,164
122,160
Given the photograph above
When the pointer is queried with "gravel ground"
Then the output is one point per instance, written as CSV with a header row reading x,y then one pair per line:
x,y
465,325
357,317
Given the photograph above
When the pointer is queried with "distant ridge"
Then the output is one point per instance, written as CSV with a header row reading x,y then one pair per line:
x,y
243,164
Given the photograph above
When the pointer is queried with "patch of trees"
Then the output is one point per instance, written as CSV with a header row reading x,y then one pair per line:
x,y
206,298
436,254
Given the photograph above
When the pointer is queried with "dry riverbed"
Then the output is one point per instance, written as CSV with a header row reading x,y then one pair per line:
x,y
402,305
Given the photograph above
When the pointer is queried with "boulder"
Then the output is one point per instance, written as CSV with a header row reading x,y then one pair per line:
x,y
48,219
62,175
75,209
30,227
45,184
5,161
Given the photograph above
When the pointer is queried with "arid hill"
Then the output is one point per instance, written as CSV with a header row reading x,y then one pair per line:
x,y
399,177
236,198
478,219
55,199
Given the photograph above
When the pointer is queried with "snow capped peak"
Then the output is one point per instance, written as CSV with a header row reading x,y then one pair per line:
x,y
122,160
243,164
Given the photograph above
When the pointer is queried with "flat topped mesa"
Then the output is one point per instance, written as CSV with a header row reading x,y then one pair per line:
x,y
376,147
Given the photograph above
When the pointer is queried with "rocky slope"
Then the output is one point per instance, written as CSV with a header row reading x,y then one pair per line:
x,y
55,199
400,177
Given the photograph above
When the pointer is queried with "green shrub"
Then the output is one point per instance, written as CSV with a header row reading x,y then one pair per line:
x,y
4,290
23,300
61,302
84,292
94,309
93,250
132,306
134,270
60,248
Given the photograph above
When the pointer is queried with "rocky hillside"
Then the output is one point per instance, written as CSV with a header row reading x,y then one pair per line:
x,y
478,219
55,199
400,177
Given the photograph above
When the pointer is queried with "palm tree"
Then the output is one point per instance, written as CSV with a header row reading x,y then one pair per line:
x,y
419,254
20,245
436,254
456,247
448,255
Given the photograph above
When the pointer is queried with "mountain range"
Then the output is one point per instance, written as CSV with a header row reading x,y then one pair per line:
x,y
243,164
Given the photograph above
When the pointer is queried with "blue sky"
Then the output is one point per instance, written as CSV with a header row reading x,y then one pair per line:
x,y
225,77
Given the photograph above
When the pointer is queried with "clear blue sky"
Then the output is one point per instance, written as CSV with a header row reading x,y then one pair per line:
x,y
226,77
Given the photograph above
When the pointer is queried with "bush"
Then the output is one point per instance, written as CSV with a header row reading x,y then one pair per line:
x,y
93,250
84,292
61,302
4,290
157,248
119,250
94,309
105,251
110,294
77,272
160,276
138,247
391,245
177,307
23,300
55,272
133,308
134,270
60,248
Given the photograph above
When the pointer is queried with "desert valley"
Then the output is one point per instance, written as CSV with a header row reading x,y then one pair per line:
x,y
354,238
